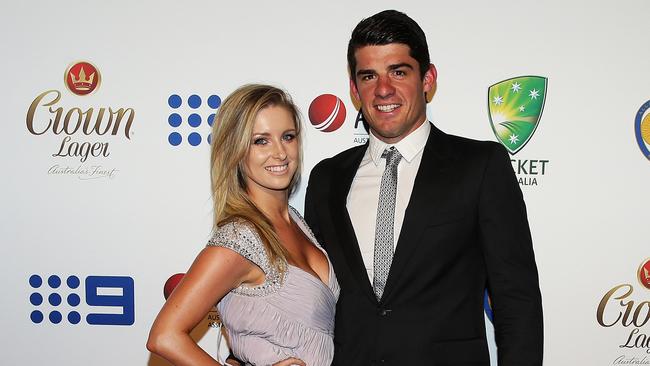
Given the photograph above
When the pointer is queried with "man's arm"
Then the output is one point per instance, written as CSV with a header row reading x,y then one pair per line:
x,y
311,202
512,273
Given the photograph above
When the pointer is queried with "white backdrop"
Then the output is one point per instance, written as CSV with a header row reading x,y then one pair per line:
x,y
144,211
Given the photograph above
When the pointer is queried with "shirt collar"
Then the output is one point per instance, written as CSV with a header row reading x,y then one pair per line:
x,y
410,146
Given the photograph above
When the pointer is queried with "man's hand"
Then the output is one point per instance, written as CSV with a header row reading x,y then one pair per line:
x,y
291,361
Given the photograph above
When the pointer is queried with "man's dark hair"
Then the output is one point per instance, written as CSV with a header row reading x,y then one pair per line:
x,y
386,27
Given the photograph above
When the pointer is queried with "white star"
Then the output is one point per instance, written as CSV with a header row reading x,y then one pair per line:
x,y
497,100
534,94
516,87
522,108
514,139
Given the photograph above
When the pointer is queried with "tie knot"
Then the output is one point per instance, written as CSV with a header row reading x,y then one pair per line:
x,y
392,156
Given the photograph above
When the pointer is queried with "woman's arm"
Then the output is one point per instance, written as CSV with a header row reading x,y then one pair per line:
x,y
213,274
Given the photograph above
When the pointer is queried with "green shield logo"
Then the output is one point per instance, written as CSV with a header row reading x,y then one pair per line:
x,y
515,107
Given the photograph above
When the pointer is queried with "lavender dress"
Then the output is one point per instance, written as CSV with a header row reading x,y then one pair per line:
x,y
290,315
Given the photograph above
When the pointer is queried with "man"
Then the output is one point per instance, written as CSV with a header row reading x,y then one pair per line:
x,y
418,223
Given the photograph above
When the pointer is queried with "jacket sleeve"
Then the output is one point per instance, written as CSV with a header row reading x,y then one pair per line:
x,y
513,282
311,200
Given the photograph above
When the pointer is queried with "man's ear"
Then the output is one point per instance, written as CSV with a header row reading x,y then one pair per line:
x,y
429,78
353,90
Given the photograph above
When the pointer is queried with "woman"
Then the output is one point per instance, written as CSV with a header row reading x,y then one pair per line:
x,y
274,286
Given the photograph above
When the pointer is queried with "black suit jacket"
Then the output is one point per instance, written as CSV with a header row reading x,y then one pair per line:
x,y
465,230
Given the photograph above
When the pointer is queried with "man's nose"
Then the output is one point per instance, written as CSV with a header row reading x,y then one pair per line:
x,y
384,87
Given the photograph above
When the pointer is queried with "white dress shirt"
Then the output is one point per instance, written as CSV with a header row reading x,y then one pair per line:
x,y
363,197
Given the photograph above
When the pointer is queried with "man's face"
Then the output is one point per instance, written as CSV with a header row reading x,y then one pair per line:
x,y
391,90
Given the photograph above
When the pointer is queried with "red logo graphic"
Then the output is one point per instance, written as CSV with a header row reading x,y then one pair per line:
x,y
82,78
644,273
327,113
171,284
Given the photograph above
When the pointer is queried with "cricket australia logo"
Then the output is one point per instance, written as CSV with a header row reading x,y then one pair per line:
x,y
515,107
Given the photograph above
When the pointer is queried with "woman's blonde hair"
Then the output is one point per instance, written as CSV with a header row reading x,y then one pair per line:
x,y
231,138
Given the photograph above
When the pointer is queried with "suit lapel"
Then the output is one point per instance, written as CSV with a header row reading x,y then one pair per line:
x,y
344,231
427,185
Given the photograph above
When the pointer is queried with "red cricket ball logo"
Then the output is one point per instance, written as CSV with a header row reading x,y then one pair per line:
x,y
327,113
644,273
82,78
171,284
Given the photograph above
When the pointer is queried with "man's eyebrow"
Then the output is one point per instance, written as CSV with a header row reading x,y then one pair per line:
x,y
390,68
365,72
399,66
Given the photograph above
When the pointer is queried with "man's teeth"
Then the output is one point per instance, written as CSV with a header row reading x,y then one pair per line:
x,y
388,107
277,168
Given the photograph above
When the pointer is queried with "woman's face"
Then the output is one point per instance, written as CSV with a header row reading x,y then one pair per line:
x,y
272,157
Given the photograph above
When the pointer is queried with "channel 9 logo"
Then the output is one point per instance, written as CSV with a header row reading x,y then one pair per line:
x,y
110,300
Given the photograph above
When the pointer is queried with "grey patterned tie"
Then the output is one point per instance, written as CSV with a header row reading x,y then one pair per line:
x,y
384,240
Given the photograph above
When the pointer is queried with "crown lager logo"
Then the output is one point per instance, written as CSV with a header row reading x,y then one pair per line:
x,y
622,306
82,78
515,107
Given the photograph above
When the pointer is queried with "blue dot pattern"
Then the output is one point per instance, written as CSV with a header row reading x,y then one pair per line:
x,y
73,300
194,139
35,281
54,299
73,282
175,139
214,101
36,316
53,291
74,317
36,299
187,116
54,281
174,101
194,120
194,101
175,120
55,317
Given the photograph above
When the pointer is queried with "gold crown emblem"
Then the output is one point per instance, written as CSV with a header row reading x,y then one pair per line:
x,y
82,82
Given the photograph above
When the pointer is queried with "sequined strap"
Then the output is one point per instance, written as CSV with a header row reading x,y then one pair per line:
x,y
243,239
297,217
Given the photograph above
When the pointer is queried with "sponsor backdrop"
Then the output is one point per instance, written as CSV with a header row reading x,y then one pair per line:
x,y
107,109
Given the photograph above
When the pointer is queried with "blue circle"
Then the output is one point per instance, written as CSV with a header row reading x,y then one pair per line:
x,y
73,282
54,299
214,101
211,119
36,316
55,317
175,138
174,101
209,139
74,317
54,281
194,101
35,281
637,129
73,299
194,139
175,120
36,299
194,120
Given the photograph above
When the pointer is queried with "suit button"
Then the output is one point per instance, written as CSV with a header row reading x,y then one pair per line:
x,y
384,312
